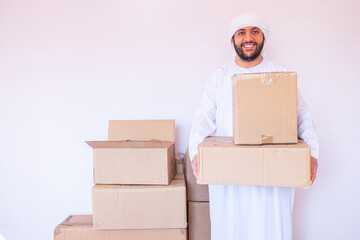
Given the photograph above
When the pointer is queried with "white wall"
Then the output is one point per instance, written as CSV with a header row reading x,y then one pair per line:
x,y
67,67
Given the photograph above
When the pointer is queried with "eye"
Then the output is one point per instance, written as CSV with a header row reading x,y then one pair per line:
x,y
240,33
256,32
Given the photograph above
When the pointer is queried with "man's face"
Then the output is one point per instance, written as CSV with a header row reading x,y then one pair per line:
x,y
248,43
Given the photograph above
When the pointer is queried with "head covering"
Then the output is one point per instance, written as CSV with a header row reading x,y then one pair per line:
x,y
246,20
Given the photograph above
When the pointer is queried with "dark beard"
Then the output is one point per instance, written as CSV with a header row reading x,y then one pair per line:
x,y
253,56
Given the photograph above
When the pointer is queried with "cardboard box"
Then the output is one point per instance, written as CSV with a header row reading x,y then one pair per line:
x,y
140,207
137,152
265,108
194,191
144,130
223,162
199,221
80,227
133,162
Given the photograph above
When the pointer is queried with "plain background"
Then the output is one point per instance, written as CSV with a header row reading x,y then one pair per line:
x,y
67,67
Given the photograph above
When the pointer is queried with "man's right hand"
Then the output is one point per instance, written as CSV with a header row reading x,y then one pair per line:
x,y
195,169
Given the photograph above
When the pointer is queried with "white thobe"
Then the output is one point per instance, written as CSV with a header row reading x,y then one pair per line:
x,y
245,212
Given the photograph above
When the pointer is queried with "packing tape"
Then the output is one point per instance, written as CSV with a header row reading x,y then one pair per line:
x,y
266,78
266,139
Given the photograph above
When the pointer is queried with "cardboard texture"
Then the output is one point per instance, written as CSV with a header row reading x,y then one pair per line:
x,y
199,221
150,129
133,162
80,227
265,108
222,162
140,207
194,191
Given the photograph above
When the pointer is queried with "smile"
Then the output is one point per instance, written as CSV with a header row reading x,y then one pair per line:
x,y
248,46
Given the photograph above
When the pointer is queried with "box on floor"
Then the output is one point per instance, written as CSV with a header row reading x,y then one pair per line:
x,y
199,221
80,227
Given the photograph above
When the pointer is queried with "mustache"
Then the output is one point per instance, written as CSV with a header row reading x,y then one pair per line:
x,y
249,42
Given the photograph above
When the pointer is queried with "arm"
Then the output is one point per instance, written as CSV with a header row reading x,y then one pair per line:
x,y
203,123
306,131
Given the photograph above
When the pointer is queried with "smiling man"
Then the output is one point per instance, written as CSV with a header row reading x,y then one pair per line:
x,y
246,212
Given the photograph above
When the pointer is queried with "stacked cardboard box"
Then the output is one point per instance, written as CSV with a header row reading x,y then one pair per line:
x,y
80,227
137,192
198,205
264,149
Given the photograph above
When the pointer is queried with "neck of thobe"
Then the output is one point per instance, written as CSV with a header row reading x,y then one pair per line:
x,y
248,64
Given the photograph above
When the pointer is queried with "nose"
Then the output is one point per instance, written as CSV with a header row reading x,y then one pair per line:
x,y
248,36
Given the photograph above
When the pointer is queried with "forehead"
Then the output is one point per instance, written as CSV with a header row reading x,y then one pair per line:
x,y
248,28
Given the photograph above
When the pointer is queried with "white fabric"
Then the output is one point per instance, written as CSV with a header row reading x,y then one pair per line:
x,y
247,20
245,212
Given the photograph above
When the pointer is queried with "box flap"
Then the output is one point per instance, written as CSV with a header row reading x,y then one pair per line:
x,y
74,220
141,130
129,144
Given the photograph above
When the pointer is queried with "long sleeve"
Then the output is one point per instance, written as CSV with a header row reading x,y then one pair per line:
x,y
203,123
306,128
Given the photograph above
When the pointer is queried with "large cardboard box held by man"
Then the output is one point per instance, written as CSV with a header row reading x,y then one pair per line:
x,y
199,221
137,152
264,108
139,206
80,227
223,162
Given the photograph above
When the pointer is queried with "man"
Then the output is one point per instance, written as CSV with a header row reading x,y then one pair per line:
x,y
246,212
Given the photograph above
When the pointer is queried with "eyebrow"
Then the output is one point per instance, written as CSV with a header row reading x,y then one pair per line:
x,y
254,28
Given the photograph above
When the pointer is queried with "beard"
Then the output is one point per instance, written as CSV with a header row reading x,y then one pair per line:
x,y
251,57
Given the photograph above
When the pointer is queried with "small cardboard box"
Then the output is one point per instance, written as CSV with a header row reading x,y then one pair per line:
x,y
223,162
194,191
265,108
138,152
199,221
140,207
80,227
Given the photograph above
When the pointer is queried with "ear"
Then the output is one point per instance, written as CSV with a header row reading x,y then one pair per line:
x,y
232,40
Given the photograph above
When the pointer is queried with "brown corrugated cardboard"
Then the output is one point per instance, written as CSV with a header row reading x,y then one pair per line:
x,y
80,227
140,207
199,221
222,162
194,191
264,108
133,162
143,130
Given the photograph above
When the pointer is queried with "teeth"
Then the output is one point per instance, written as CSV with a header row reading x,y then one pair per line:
x,y
249,45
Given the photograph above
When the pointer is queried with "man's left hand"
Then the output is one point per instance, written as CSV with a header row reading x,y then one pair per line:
x,y
313,168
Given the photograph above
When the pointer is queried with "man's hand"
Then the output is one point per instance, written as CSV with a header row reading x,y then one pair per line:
x,y
195,165
313,168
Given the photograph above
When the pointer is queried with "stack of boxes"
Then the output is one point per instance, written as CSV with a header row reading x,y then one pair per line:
x,y
198,205
264,149
137,193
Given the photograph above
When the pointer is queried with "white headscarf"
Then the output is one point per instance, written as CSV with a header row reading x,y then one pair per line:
x,y
246,20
